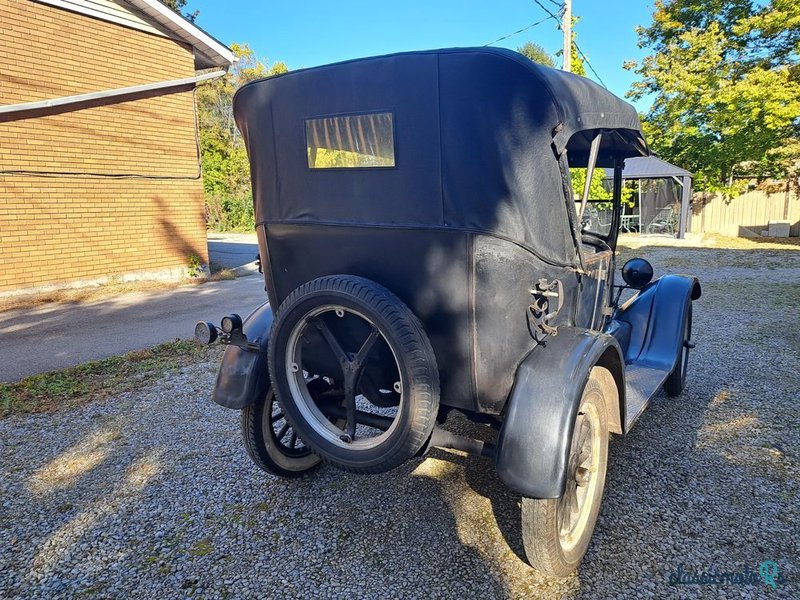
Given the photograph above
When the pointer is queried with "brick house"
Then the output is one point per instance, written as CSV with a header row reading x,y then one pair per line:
x,y
99,159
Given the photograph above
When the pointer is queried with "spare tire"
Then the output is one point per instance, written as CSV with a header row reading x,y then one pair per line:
x,y
359,336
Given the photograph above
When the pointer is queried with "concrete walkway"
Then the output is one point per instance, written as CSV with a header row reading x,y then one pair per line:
x,y
50,337
233,250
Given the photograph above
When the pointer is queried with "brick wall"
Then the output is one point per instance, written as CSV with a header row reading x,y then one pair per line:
x,y
57,228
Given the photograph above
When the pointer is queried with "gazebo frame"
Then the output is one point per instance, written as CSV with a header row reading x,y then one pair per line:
x,y
652,167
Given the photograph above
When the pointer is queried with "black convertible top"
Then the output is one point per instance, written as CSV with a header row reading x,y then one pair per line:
x,y
480,138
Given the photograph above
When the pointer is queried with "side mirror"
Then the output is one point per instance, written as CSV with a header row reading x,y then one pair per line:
x,y
637,273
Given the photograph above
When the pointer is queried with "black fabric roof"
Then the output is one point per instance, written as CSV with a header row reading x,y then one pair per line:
x,y
478,133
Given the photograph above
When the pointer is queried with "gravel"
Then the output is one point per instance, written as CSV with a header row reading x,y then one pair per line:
x,y
151,494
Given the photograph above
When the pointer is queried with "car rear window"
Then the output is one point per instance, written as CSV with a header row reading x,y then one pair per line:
x,y
350,141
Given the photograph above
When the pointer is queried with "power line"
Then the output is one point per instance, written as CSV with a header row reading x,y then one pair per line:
x,y
547,10
583,56
588,64
558,4
550,15
516,32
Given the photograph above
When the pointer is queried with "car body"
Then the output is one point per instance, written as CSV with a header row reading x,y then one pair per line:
x,y
443,177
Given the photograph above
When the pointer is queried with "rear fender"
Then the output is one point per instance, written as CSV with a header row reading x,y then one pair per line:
x,y
243,375
534,441
655,319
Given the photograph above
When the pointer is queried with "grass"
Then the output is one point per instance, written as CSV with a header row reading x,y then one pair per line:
x,y
202,547
98,379
774,329
220,273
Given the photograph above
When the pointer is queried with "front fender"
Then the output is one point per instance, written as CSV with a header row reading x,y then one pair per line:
x,y
655,318
534,441
243,375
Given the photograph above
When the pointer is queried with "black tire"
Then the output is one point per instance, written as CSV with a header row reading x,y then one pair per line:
x,y
676,381
401,338
271,442
554,546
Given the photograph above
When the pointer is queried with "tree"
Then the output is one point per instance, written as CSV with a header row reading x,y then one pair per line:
x,y
537,54
727,87
177,5
226,170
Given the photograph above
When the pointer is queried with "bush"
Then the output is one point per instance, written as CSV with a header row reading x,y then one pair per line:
x,y
230,214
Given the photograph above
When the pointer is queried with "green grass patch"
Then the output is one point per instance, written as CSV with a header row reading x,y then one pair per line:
x,y
741,295
220,273
769,330
98,379
202,547
769,335
785,295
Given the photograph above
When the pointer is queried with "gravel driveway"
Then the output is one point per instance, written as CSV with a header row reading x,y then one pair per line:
x,y
151,494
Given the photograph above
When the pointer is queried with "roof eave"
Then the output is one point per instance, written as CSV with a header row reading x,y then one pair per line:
x,y
209,52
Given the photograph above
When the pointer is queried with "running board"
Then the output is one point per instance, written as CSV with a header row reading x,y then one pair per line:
x,y
641,384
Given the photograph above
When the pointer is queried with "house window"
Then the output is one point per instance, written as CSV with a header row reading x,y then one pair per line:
x,y
350,141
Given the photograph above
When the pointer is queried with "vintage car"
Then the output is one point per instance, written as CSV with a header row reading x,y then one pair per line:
x,y
423,253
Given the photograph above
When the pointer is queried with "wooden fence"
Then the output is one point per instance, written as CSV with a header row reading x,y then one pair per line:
x,y
751,211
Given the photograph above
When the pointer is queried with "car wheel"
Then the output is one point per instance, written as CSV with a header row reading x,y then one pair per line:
x,y
356,332
271,441
556,531
676,381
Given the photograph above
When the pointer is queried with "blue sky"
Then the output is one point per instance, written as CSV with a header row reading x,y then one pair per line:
x,y
306,33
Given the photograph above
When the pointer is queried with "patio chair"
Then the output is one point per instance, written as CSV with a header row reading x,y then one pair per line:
x,y
665,222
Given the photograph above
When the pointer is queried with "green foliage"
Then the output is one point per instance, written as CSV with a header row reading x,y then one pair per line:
x,y
596,189
576,62
194,266
537,54
226,170
727,88
177,5
232,213
330,158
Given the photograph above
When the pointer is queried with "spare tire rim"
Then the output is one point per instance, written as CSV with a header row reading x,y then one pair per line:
x,y
283,435
575,505
303,399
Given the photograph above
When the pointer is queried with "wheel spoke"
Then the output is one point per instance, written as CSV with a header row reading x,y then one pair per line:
x,y
282,432
350,406
573,501
293,441
367,345
585,455
563,512
276,417
323,328
582,431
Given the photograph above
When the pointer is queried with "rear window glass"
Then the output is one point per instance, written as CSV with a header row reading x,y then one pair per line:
x,y
350,141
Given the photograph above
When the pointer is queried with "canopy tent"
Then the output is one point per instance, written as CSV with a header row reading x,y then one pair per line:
x,y
662,198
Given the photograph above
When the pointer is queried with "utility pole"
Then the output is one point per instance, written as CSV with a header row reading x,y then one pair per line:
x,y
566,27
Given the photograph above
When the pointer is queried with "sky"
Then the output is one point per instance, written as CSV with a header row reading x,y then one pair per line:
x,y
307,33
